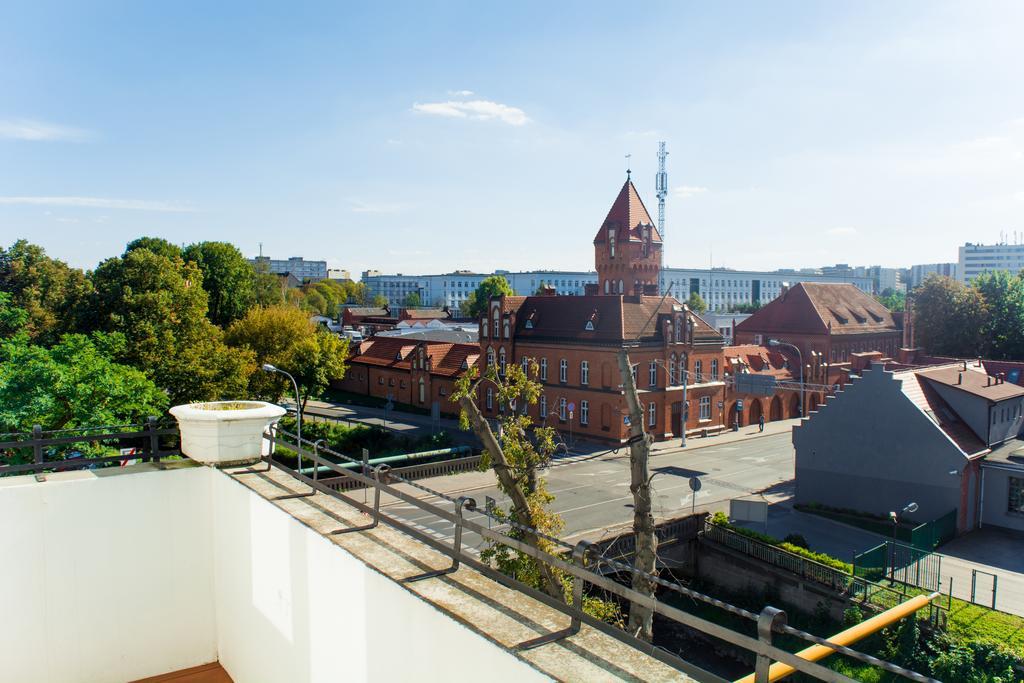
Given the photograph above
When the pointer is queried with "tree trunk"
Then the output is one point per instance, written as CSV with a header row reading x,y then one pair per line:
x,y
550,583
640,618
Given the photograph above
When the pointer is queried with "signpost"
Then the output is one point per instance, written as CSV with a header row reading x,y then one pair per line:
x,y
695,486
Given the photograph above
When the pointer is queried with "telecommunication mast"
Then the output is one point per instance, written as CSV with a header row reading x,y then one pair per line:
x,y
661,187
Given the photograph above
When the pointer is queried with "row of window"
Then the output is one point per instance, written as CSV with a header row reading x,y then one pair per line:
x,y
652,370
704,404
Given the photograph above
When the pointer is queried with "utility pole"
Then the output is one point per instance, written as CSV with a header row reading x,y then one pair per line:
x,y
641,618
661,189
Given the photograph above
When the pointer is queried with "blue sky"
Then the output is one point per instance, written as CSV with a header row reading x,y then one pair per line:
x,y
414,138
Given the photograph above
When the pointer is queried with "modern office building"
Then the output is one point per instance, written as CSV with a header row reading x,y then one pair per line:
x,y
976,259
918,273
724,289
306,271
451,289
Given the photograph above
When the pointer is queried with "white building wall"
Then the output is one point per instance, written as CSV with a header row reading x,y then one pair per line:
x,y
724,289
119,575
976,259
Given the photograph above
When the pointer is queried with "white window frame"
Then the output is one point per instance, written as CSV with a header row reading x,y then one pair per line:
x,y
543,407
561,409
584,413
705,408
672,370
584,372
563,371
652,373
698,368
501,361
490,398
652,414
714,369
544,369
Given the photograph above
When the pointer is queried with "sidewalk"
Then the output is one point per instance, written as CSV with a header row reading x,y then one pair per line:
x,y
744,434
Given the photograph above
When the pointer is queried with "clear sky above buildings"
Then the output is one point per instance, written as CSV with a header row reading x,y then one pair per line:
x,y
416,138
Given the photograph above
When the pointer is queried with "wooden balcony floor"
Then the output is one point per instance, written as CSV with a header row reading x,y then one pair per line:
x,y
205,673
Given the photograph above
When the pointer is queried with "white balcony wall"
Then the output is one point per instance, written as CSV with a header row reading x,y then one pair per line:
x,y
105,576
118,575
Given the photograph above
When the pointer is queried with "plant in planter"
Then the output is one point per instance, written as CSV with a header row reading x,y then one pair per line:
x,y
224,433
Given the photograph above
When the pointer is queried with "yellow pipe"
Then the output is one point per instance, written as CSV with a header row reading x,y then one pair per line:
x,y
778,670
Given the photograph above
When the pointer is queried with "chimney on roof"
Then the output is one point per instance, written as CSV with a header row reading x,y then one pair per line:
x,y
965,365
989,382
959,378
548,290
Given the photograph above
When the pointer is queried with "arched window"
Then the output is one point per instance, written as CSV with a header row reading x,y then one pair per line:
x,y
497,325
621,288
501,362
606,287
506,329
490,398
672,370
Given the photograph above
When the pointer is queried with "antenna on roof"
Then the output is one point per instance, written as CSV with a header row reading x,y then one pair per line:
x,y
661,187
628,156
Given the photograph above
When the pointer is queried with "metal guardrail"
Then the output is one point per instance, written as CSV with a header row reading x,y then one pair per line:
x,y
425,471
580,564
850,585
667,533
46,445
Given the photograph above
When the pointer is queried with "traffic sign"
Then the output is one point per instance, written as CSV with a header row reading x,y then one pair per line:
x,y
695,484
572,407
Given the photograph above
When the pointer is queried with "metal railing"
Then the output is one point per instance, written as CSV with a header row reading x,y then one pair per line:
x,y
579,562
847,584
50,449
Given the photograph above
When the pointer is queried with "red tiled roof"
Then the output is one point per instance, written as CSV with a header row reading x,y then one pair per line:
x,y
446,359
615,318
811,307
762,360
928,400
424,313
626,215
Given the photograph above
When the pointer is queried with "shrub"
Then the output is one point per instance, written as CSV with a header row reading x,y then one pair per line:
x,y
720,519
797,540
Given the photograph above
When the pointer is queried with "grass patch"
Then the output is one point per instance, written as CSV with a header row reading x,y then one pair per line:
x,y
973,622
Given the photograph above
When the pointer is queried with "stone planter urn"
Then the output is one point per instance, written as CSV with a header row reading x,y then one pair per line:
x,y
222,433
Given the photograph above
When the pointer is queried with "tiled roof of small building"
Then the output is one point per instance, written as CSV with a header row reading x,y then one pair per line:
x,y
975,381
814,307
924,396
446,359
763,360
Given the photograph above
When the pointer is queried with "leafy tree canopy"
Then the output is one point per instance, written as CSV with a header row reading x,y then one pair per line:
x,y
228,278
412,300
495,285
380,301
285,337
75,383
51,293
1003,334
158,303
949,317
894,300
696,303
157,245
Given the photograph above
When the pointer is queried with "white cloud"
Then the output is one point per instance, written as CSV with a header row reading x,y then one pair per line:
x,y
40,131
372,207
460,93
689,191
99,203
841,232
483,110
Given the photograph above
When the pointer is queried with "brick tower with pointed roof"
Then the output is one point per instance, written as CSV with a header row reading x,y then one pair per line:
x,y
627,248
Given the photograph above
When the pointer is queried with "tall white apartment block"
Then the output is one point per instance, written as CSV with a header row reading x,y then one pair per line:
x,y
976,259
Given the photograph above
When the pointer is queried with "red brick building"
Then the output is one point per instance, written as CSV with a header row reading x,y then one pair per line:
x,y
410,372
627,247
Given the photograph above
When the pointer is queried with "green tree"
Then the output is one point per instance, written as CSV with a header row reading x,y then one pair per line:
x,y
228,278
380,301
894,300
468,305
267,287
75,383
949,317
157,245
1004,298
52,294
314,302
158,303
495,285
412,300
540,288
696,303
285,337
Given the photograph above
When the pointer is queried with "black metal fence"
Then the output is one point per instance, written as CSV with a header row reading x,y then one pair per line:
x,y
41,451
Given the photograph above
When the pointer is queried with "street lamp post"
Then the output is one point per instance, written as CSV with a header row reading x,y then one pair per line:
x,y
267,367
894,517
800,359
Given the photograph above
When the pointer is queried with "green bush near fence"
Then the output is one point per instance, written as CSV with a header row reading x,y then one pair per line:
x,y
720,519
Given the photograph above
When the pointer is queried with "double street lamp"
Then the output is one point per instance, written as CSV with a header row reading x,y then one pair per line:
x,y
800,359
267,367
894,517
